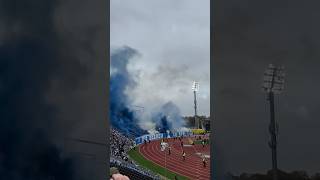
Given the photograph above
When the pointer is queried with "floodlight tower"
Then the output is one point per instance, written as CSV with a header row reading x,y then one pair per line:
x,y
195,88
273,84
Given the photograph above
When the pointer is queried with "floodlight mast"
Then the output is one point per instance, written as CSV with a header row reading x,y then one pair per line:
x,y
273,84
195,88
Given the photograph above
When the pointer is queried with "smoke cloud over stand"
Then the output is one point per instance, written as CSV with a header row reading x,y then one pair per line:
x,y
123,116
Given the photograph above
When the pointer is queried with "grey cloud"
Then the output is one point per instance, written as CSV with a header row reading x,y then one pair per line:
x,y
173,38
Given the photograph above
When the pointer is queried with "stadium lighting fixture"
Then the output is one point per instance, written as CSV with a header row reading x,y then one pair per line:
x,y
273,79
195,86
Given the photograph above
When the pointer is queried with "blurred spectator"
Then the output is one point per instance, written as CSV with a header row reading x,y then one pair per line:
x,y
119,177
115,175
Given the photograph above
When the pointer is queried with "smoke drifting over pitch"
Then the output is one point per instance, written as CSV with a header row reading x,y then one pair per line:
x,y
122,116
168,118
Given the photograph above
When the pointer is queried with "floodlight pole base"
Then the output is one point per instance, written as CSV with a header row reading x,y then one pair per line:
x,y
273,143
196,120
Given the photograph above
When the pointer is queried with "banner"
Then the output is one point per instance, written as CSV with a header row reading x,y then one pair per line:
x,y
147,137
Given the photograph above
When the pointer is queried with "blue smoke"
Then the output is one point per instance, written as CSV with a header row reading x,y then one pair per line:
x,y
163,125
122,117
168,118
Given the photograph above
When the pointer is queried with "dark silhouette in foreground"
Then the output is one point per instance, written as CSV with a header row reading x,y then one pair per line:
x,y
294,175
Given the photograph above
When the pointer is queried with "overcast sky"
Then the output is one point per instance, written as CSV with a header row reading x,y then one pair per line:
x,y
173,39
248,36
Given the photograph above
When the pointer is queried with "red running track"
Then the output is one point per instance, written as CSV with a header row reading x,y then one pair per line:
x,y
192,167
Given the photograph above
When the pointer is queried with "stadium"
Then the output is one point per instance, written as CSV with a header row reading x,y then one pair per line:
x,y
160,155
173,147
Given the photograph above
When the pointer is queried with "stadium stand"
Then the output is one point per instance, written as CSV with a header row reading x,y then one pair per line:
x,y
119,146
133,171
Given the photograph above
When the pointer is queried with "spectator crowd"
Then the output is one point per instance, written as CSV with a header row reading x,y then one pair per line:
x,y
120,145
